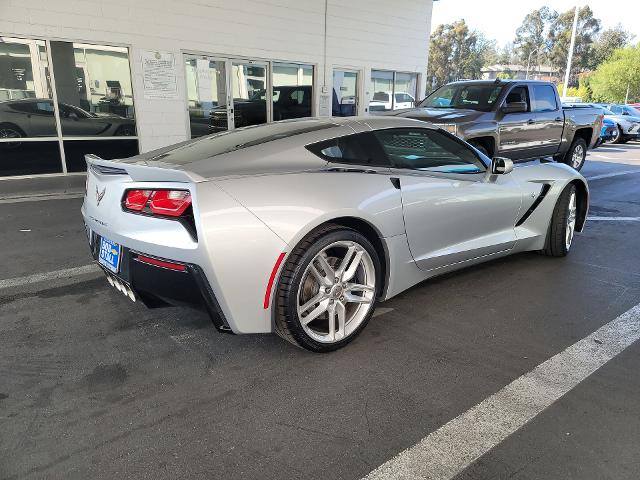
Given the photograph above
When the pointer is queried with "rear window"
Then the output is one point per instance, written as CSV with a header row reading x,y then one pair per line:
x,y
233,140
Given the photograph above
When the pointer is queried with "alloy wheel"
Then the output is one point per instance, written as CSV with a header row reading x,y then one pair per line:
x,y
571,220
337,291
577,157
9,133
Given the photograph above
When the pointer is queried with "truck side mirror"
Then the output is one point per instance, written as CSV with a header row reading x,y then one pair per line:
x,y
501,165
514,107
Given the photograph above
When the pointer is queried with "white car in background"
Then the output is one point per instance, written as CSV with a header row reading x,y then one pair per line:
x,y
628,126
381,101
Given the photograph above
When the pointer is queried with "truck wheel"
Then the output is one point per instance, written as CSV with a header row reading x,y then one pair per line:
x,y
617,136
577,154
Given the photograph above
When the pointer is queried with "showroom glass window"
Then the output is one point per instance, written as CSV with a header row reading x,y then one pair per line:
x,y
392,90
95,101
292,91
206,94
94,112
28,131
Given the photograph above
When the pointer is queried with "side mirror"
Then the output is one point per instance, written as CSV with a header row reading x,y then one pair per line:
x,y
514,107
501,165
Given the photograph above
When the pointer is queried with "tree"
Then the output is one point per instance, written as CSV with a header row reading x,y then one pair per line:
x,y
532,35
560,39
456,52
507,56
617,76
608,41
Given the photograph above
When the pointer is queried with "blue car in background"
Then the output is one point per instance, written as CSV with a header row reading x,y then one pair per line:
x,y
608,132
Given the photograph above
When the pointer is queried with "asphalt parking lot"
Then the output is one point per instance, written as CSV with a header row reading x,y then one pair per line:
x,y
94,386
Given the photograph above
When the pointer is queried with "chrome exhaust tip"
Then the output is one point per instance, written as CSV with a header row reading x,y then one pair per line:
x,y
130,294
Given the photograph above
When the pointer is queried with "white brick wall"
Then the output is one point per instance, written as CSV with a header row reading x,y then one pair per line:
x,y
361,34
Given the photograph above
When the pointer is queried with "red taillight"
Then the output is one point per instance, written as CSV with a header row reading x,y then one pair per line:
x,y
161,263
170,203
136,199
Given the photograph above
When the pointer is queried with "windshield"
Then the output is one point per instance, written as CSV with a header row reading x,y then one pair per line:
x,y
469,96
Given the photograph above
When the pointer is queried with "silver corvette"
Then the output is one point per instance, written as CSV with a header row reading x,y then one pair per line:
x,y
300,227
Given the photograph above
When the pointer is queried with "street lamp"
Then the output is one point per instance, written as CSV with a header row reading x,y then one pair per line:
x,y
570,57
537,49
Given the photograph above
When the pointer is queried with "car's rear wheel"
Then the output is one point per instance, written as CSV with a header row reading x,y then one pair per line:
x,y
577,154
328,289
616,136
563,224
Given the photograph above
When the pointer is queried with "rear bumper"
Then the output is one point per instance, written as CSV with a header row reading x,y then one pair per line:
x,y
157,286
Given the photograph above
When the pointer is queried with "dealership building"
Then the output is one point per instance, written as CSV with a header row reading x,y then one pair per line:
x,y
122,77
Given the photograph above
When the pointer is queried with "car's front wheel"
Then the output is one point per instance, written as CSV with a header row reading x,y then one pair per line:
x,y
563,224
328,289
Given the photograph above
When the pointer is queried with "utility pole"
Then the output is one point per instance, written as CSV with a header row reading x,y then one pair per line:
x,y
570,57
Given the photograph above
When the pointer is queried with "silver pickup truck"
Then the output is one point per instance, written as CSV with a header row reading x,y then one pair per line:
x,y
517,119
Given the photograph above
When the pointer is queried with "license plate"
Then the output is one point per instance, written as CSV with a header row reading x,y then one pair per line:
x,y
109,254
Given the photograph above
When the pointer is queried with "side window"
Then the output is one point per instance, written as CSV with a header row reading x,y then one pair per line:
x,y
428,150
519,94
616,109
358,149
544,98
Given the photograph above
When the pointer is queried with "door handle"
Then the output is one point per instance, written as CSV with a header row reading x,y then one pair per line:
x,y
531,121
557,119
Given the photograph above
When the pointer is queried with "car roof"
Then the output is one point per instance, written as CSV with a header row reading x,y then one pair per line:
x,y
498,81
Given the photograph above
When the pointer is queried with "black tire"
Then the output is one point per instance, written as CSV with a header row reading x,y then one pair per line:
x,y
618,138
568,158
555,245
482,149
126,131
287,323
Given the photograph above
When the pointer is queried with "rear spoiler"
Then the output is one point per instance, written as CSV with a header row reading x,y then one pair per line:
x,y
140,171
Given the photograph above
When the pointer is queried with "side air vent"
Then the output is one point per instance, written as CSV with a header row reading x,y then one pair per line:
x,y
543,193
104,170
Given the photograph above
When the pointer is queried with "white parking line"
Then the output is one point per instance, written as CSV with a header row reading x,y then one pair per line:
x,y
614,219
47,276
40,198
613,174
446,452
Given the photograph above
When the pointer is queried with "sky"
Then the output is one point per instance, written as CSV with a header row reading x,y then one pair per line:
x,y
499,19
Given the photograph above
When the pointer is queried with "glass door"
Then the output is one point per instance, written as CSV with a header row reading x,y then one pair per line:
x,y
251,96
345,93
208,101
